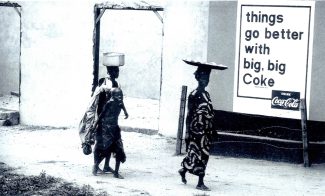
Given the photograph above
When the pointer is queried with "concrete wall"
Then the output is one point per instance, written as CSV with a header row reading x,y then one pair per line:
x,y
9,50
186,28
138,34
56,61
217,21
317,93
221,49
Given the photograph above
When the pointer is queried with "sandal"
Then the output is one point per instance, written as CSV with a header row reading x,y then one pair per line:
x,y
202,187
108,170
182,173
117,175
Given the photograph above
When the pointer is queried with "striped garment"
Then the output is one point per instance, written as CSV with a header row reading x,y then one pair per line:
x,y
199,127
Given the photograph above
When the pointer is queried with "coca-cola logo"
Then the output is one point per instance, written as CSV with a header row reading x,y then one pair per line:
x,y
286,103
285,100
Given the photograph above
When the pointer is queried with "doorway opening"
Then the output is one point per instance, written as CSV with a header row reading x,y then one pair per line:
x,y
10,50
135,30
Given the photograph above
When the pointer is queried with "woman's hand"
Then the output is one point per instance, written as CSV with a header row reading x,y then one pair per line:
x,y
104,88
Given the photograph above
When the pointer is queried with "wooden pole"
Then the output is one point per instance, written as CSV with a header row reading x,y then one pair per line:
x,y
305,142
96,43
179,138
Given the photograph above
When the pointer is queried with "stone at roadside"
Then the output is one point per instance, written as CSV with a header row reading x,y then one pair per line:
x,y
8,117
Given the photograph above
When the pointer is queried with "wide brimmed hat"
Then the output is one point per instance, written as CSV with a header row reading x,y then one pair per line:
x,y
210,65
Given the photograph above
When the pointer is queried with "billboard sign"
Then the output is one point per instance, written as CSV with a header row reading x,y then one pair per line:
x,y
273,55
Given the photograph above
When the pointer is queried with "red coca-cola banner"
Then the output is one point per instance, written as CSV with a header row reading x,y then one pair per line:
x,y
285,100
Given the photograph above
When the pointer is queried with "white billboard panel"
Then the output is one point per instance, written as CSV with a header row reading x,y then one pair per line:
x,y
273,56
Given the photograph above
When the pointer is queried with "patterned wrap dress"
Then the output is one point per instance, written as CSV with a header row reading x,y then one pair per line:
x,y
108,134
94,108
199,128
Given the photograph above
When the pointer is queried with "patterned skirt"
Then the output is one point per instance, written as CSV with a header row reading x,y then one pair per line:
x,y
198,155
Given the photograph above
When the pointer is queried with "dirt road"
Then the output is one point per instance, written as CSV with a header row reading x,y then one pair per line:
x,y
151,168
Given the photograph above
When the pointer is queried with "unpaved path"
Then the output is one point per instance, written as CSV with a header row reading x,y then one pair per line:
x,y
151,168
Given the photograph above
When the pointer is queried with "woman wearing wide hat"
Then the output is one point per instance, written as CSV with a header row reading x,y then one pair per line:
x,y
199,124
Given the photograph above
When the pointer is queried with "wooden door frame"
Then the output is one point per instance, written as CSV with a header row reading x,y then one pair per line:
x,y
99,10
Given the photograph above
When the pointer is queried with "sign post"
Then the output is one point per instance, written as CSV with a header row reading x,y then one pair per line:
x,y
305,141
179,139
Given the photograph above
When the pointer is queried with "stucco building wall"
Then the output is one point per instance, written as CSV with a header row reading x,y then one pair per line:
x,y
57,61
137,34
217,20
317,93
9,50
221,49
186,28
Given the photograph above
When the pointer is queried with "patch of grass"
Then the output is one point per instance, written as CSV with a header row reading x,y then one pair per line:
x,y
43,184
